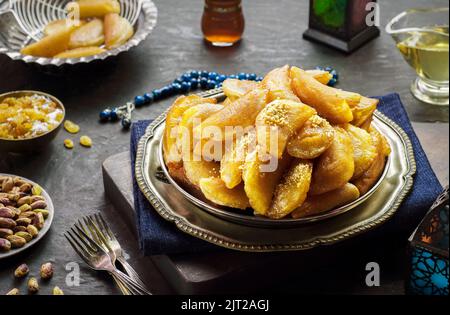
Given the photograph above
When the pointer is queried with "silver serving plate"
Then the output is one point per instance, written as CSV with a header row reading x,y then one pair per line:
x,y
22,21
249,233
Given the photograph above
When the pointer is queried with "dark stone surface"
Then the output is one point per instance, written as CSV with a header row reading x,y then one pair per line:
x,y
273,37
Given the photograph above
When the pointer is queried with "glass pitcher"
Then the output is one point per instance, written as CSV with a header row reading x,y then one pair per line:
x,y
422,38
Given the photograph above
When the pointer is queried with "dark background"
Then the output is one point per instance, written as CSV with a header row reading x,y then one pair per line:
x,y
273,37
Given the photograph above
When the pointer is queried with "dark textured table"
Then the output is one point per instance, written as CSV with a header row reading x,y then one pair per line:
x,y
273,37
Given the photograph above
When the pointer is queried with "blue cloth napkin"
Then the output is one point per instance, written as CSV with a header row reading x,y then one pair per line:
x,y
158,236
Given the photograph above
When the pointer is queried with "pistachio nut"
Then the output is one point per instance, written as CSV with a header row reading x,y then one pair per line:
x,y
5,232
24,200
20,228
5,245
7,223
57,291
14,210
27,236
21,271
38,220
27,214
37,198
7,213
44,212
36,190
25,187
18,181
46,271
5,201
32,230
24,208
14,291
23,221
7,184
16,241
33,285
39,204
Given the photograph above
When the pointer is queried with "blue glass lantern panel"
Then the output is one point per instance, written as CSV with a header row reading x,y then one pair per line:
x,y
429,273
433,231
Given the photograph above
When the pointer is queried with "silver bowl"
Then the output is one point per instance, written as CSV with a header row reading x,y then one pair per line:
x,y
22,21
248,218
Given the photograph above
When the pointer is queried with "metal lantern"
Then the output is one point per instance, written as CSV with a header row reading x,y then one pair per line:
x,y
428,252
342,24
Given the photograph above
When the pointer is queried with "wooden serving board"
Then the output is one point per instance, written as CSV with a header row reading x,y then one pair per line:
x,y
331,269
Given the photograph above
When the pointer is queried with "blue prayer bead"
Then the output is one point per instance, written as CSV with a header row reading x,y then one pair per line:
x,y
242,76
232,76
176,88
105,114
148,97
194,83
178,80
212,75
186,77
211,84
114,115
204,83
185,87
156,94
252,76
204,74
139,100
195,74
221,78
126,123
332,82
258,79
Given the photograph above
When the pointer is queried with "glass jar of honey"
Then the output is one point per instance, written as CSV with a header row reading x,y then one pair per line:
x,y
223,22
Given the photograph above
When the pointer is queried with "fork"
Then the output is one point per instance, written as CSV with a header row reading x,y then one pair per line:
x,y
96,258
95,234
111,242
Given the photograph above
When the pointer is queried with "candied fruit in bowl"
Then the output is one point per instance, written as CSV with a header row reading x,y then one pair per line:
x,y
28,116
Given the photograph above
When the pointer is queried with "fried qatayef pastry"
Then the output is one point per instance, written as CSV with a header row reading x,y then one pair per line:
x,y
50,45
192,116
335,167
331,200
234,158
363,112
364,150
278,121
80,52
313,139
118,30
60,25
366,181
259,183
215,190
234,88
320,75
171,151
241,113
279,85
324,99
196,170
95,8
291,192
89,34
